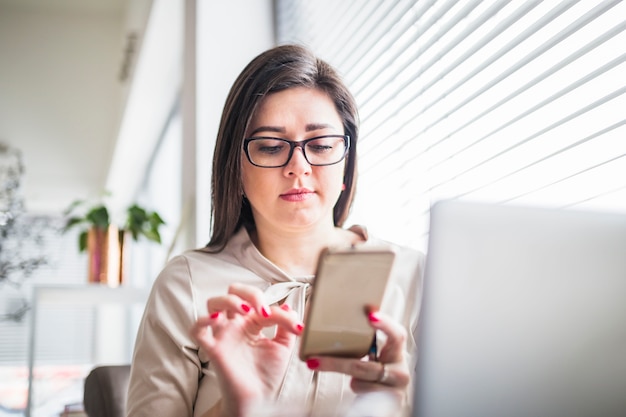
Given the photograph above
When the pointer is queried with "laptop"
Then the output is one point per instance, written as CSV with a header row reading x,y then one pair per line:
x,y
523,314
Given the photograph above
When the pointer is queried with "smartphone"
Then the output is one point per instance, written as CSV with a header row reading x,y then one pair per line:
x,y
349,282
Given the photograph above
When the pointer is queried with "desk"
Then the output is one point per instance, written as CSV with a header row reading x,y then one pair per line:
x,y
88,295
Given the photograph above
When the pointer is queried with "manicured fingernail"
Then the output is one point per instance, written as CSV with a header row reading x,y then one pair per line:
x,y
215,315
373,316
245,307
265,311
299,328
313,363
285,307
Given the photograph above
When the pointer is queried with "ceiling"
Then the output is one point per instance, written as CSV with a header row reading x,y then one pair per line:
x,y
92,6
61,96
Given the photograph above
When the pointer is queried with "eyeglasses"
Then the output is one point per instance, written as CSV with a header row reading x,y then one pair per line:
x,y
267,152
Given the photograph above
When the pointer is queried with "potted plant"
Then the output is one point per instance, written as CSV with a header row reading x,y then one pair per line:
x,y
105,242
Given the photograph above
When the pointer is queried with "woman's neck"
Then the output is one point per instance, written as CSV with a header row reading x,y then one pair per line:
x,y
297,253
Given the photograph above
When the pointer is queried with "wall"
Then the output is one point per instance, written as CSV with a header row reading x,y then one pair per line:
x,y
230,34
59,98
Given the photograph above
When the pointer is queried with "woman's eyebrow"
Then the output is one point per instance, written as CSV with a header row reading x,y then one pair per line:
x,y
280,129
277,129
317,126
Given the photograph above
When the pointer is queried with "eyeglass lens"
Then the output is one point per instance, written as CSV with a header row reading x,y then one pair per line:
x,y
274,152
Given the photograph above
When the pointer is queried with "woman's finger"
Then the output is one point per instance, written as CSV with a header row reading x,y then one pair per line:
x,y
228,303
286,321
390,374
289,325
395,344
252,296
200,330
360,386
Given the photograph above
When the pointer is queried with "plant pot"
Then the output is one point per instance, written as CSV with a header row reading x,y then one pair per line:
x,y
104,251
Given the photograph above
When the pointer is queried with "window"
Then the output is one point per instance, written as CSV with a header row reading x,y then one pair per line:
x,y
161,192
516,102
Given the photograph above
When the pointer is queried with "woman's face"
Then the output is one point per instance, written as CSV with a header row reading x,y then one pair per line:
x,y
297,196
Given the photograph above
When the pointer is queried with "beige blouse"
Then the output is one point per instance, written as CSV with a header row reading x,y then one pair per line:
x,y
171,376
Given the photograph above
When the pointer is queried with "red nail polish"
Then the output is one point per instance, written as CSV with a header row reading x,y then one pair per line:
x,y
245,307
299,328
285,307
313,363
265,312
215,315
373,316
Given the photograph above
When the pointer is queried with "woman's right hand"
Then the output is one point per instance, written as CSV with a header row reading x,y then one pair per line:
x,y
250,366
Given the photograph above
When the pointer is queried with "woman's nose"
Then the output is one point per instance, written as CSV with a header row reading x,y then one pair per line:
x,y
298,165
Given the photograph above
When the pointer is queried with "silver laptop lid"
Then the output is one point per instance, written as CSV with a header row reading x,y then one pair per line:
x,y
524,313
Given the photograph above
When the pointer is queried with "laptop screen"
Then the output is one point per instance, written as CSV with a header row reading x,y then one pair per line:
x,y
523,314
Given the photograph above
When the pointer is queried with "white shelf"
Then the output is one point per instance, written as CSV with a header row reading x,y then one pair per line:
x,y
89,294
106,300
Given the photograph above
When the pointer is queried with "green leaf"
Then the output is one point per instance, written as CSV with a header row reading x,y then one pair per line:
x,y
72,206
82,242
153,235
135,218
99,217
155,219
71,222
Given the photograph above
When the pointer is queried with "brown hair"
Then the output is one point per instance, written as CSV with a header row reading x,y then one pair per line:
x,y
274,70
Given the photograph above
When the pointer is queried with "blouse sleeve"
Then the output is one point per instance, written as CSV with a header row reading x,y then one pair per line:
x,y
403,300
166,370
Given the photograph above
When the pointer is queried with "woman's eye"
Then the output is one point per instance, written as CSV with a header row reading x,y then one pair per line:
x,y
270,149
323,145
320,148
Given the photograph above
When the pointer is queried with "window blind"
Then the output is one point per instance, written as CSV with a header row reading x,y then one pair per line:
x,y
512,102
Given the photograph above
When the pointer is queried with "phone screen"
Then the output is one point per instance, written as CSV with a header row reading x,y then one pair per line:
x,y
348,283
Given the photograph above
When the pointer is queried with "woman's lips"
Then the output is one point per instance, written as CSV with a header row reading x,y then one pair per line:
x,y
297,195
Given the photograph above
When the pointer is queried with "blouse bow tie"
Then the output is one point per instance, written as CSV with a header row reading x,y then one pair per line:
x,y
294,294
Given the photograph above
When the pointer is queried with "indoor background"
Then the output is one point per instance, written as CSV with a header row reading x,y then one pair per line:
x,y
508,102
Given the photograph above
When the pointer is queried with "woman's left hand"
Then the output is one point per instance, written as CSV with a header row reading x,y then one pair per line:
x,y
389,373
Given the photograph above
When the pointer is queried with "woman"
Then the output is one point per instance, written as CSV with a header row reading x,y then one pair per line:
x,y
219,333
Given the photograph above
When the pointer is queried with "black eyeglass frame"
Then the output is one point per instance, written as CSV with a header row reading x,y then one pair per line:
x,y
293,145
